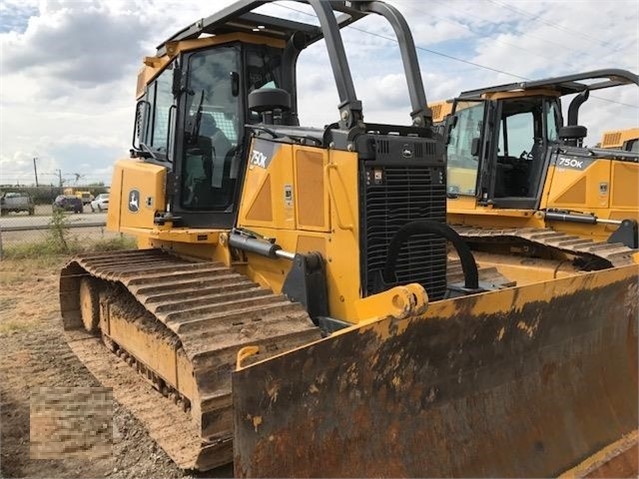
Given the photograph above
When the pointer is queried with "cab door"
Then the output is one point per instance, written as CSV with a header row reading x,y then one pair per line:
x,y
466,146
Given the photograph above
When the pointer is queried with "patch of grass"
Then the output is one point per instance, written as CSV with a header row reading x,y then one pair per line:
x,y
35,249
113,244
17,270
52,248
10,327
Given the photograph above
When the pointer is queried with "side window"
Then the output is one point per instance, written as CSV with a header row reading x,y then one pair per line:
x,y
553,120
263,70
516,135
142,127
162,103
462,164
152,115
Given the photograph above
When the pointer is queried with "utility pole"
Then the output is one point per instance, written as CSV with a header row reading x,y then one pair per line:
x,y
59,176
35,170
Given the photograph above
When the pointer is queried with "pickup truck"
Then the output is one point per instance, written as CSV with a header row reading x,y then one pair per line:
x,y
16,202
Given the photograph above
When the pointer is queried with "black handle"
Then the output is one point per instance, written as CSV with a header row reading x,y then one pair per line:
x,y
468,264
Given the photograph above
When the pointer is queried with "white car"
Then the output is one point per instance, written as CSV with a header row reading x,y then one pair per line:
x,y
100,203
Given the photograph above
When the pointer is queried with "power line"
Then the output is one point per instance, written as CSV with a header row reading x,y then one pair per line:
x,y
472,32
496,40
452,57
445,55
537,18
466,14
434,52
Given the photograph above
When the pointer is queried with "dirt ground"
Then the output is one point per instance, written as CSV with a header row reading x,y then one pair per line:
x,y
37,362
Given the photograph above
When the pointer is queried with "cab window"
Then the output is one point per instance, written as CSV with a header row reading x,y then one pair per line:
x,y
553,121
153,116
263,70
163,100
520,148
463,162
211,127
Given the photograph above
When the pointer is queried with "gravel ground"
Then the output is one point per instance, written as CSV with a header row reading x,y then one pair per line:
x,y
37,358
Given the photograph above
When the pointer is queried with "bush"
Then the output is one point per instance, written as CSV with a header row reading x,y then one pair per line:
x,y
59,241
58,231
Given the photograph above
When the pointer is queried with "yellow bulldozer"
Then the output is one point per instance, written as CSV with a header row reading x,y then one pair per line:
x,y
519,175
298,304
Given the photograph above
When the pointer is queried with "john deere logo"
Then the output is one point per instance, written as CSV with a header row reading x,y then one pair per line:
x,y
134,201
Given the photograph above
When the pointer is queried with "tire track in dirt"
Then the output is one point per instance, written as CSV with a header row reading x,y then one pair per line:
x,y
36,355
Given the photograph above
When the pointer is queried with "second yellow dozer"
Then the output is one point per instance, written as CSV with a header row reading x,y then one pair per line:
x,y
298,303
519,177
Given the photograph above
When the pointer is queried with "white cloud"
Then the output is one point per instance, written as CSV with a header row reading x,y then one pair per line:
x,y
68,67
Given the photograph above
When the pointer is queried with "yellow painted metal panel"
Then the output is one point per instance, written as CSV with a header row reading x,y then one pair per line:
x,y
625,186
277,197
310,191
137,192
581,190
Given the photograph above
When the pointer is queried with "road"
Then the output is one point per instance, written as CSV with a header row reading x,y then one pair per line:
x,y
23,221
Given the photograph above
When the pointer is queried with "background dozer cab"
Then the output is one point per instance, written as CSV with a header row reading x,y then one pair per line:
x,y
261,238
517,168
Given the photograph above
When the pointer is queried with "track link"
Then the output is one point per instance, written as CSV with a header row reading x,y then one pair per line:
x,y
597,255
181,324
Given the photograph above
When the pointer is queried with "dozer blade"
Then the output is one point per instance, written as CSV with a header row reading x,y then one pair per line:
x,y
524,382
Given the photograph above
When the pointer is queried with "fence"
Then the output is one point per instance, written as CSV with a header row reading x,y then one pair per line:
x,y
46,231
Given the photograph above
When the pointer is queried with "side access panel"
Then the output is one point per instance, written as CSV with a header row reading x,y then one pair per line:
x,y
524,382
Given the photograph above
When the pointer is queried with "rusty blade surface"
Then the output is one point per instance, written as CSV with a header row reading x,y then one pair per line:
x,y
524,382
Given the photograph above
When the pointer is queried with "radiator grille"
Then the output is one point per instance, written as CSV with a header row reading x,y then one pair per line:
x,y
395,196
612,139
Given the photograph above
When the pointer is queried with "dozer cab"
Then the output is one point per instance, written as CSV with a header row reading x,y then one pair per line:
x,y
298,304
519,174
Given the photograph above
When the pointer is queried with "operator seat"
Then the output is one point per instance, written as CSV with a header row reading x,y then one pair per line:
x,y
220,147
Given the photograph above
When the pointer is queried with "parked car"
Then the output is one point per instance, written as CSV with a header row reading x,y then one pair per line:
x,y
101,202
68,203
16,202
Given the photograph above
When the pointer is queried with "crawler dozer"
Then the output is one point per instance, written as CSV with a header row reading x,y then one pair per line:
x,y
519,177
298,304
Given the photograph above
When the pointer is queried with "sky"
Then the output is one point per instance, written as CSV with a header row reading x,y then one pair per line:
x,y
68,68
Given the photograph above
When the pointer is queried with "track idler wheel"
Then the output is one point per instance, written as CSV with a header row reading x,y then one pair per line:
x,y
89,305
